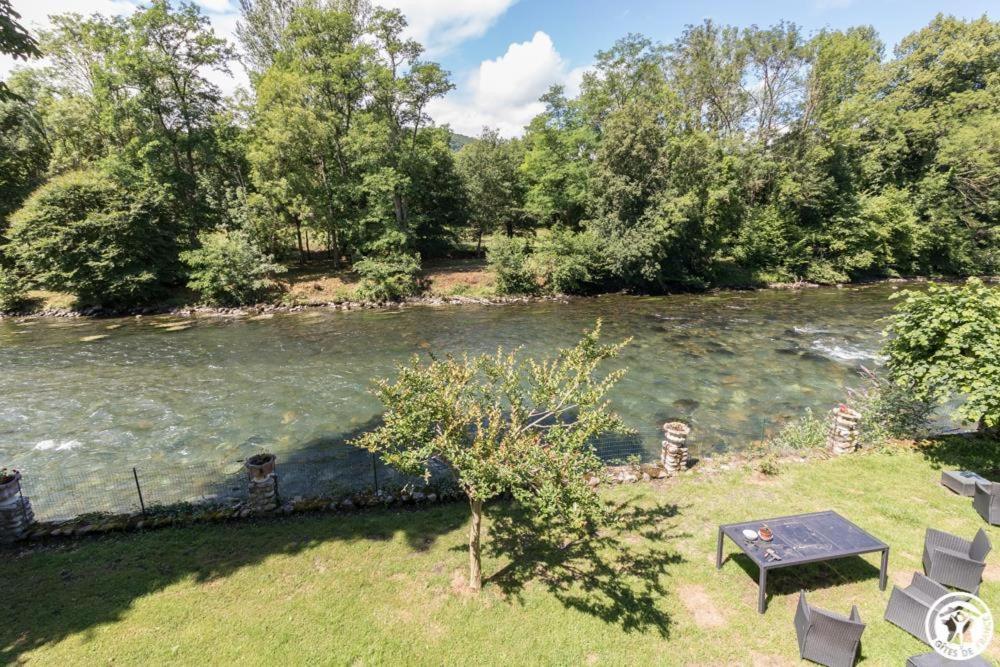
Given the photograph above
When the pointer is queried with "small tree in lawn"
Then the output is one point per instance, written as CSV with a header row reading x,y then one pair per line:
x,y
945,343
505,424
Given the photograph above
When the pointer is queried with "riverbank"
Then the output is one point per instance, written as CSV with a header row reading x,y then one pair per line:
x,y
318,285
387,585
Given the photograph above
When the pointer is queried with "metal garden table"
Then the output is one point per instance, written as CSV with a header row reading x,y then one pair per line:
x,y
801,539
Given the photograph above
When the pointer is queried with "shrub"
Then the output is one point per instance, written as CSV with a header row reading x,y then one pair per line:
x,y
807,432
944,344
106,242
824,273
229,269
888,411
389,278
13,291
565,261
508,259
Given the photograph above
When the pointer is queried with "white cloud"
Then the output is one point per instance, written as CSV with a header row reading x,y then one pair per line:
x,y
222,13
441,25
503,92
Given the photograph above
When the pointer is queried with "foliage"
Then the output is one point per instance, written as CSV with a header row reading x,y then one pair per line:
x,y
13,291
508,259
807,432
888,411
15,41
228,269
388,278
566,262
24,148
729,156
944,344
505,425
96,237
488,168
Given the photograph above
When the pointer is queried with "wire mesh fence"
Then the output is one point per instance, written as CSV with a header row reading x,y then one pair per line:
x,y
338,473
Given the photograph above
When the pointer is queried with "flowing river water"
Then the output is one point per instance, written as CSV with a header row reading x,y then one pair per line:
x,y
90,395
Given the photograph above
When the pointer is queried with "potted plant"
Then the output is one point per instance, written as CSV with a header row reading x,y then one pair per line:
x,y
9,483
260,465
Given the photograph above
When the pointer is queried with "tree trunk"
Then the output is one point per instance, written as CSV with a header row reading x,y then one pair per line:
x,y
298,236
475,562
479,243
510,229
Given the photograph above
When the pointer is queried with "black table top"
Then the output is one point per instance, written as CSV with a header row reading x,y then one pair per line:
x,y
804,538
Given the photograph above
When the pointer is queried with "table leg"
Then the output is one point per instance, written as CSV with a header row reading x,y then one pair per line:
x,y
762,591
718,551
884,571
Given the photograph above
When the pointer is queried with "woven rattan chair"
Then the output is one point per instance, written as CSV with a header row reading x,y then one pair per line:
x,y
908,607
827,638
953,561
986,500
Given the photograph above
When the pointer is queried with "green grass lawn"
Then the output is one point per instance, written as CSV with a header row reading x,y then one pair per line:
x,y
387,586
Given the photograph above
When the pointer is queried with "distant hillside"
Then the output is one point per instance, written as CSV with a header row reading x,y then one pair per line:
x,y
459,140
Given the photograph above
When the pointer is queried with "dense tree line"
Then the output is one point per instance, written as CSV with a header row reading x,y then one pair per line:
x,y
729,157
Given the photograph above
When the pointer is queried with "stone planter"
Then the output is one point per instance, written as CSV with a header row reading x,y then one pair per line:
x,y
843,436
11,487
259,466
674,450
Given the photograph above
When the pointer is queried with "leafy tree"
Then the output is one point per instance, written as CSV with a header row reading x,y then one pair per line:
x,y
945,344
261,30
489,170
96,237
24,149
556,162
503,424
15,41
228,269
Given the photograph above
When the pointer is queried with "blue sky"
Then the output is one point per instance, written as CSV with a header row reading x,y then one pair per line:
x,y
504,53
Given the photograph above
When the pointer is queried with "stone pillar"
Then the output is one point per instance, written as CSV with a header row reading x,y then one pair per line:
x,y
843,436
674,451
262,484
16,515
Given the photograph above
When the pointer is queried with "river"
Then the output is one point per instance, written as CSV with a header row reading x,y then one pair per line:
x,y
88,395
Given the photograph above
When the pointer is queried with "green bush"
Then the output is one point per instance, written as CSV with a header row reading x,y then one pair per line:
x,y
508,259
944,344
13,291
565,261
229,269
807,432
107,242
888,411
824,273
389,278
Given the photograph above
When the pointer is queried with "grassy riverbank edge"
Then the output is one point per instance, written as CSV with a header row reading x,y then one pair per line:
x,y
387,585
328,292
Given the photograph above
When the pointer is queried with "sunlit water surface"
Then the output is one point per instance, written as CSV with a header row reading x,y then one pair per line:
x,y
87,395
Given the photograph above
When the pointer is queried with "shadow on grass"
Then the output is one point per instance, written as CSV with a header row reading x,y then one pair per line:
x,y
72,588
976,452
810,576
615,575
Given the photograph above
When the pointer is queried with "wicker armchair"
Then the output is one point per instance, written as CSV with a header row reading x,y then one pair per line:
x,y
986,500
952,561
827,638
908,607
